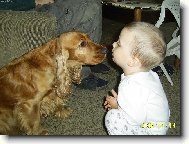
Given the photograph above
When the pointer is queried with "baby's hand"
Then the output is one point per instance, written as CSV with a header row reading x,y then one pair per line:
x,y
111,101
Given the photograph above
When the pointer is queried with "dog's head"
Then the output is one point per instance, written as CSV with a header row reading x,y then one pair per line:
x,y
81,48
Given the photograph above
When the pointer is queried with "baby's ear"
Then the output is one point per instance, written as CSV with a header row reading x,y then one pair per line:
x,y
134,62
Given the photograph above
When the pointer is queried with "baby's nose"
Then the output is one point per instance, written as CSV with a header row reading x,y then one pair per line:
x,y
104,50
114,45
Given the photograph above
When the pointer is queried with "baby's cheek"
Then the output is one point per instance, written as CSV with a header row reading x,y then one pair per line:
x,y
122,56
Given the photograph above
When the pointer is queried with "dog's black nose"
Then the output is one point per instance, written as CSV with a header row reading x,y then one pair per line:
x,y
104,50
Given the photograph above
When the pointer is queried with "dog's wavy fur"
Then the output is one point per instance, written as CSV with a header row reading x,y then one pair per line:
x,y
38,82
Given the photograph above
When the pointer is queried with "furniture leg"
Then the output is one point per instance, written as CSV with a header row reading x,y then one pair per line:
x,y
137,14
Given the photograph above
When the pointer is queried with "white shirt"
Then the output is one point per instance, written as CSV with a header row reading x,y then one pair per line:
x,y
142,98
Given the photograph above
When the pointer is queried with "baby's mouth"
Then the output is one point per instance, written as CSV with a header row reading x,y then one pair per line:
x,y
112,57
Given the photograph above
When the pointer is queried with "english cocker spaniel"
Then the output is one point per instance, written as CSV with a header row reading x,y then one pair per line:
x,y
39,82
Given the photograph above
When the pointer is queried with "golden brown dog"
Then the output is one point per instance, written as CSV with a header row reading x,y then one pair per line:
x,y
38,82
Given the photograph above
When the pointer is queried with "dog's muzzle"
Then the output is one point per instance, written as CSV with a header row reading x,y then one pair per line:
x,y
104,50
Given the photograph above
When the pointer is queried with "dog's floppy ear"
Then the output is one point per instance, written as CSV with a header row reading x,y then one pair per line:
x,y
63,79
61,50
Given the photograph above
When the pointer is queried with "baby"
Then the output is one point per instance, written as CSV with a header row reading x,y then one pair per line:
x,y
141,106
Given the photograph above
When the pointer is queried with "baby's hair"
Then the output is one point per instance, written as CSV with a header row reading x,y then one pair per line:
x,y
148,44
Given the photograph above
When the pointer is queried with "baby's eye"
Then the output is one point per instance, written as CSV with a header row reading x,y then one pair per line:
x,y
83,44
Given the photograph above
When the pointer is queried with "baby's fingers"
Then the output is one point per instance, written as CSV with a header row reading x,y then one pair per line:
x,y
107,107
114,93
108,97
106,102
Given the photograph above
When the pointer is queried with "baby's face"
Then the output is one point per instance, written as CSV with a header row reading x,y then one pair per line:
x,y
121,51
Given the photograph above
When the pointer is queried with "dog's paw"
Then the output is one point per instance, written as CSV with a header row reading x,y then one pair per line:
x,y
63,112
45,113
39,131
44,132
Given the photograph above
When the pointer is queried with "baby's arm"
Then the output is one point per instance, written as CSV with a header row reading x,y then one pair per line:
x,y
111,101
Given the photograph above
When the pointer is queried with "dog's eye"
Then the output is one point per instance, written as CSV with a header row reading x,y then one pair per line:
x,y
83,44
